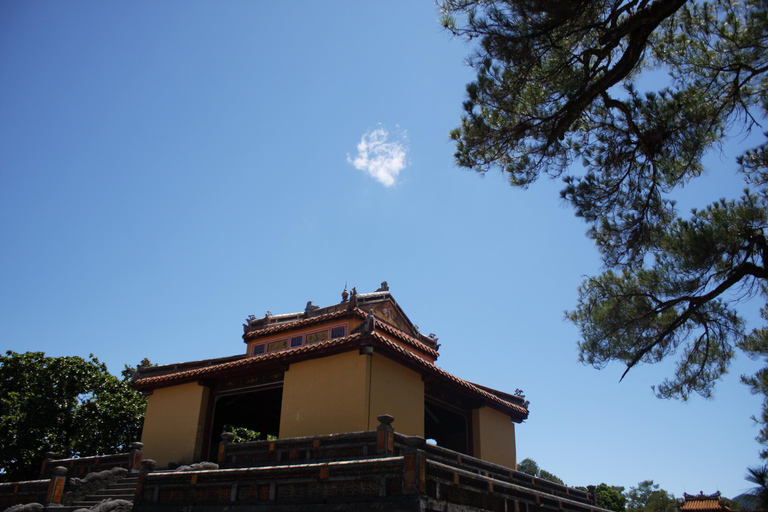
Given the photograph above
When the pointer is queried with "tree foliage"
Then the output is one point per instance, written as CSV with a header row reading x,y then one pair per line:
x,y
758,475
245,435
610,497
648,497
557,84
532,468
68,405
528,466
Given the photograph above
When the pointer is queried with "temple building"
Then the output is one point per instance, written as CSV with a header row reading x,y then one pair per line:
x,y
326,370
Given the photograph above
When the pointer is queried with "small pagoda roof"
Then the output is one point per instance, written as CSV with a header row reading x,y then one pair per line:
x,y
381,302
425,347
703,502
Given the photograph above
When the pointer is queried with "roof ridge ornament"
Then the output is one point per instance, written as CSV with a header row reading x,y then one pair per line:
x,y
384,287
370,322
310,309
344,294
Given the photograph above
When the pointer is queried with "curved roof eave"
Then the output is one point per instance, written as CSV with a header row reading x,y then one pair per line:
x,y
517,412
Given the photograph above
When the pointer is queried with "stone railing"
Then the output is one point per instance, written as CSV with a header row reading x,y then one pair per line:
x,y
355,445
56,476
17,493
317,482
80,466
329,448
378,470
504,474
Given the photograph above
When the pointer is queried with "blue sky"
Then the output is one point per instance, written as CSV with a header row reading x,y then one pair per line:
x,y
168,168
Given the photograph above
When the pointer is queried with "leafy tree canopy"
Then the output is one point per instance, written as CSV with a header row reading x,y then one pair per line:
x,y
556,84
611,497
244,435
758,475
648,497
68,405
530,467
732,504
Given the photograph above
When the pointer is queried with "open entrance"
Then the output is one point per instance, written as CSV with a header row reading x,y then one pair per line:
x,y
449,428
257,410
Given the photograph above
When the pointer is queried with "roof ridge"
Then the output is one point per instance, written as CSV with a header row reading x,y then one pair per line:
x,y
464,383
271,329
201,371
386,326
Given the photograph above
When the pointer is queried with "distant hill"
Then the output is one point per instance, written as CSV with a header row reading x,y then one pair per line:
x,y
746,500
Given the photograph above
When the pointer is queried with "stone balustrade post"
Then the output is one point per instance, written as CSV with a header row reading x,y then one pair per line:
x,y
147,466
385,434
48,457
415,465
56,487
226,439
134,458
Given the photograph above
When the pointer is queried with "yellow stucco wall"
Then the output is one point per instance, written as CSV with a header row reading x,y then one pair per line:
x,y
398,391
493,437
346,392
174,423
326,396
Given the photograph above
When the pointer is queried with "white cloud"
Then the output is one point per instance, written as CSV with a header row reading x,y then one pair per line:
x,y
379,158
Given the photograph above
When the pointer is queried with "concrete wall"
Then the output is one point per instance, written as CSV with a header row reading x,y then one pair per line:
x,y
493,437
174,423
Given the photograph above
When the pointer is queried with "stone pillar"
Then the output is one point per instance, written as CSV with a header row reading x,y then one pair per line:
x,y
56,487
385,434
592,495
134,459
415,465
49,456
226,438
147,466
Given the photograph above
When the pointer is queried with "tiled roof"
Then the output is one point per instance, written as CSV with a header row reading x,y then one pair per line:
x,y
357,312
159,381
276,328
468,386
702,502
702,505
352,340
394,331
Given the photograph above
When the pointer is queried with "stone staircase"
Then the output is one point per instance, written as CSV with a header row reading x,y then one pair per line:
x,y
122,489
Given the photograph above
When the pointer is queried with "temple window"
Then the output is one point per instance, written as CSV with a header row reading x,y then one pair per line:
x,y
317,336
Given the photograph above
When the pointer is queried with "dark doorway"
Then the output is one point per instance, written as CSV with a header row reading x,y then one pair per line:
x,y
447,427
257,410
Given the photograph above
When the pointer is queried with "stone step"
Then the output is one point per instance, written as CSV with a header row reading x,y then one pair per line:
x,y
115,492
86,503
124,489
124,485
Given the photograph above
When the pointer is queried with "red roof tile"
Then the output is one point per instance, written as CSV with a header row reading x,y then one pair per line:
x,y
356,312
703,502
285,326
